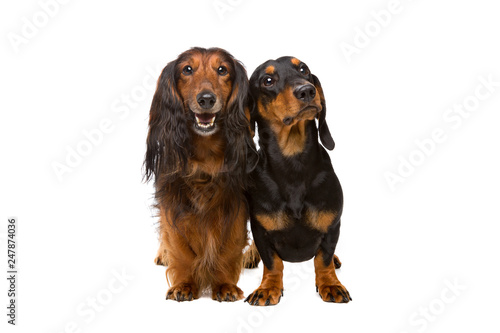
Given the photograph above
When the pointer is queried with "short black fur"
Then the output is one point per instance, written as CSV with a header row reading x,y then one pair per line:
x,y
292,184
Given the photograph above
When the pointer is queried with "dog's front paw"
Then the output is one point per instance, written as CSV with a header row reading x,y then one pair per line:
x,y
265,296
336,293
182,292
227,293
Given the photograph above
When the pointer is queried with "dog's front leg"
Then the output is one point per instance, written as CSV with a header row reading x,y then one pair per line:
x,y
271,287
184,287
224,286
179,272
327,284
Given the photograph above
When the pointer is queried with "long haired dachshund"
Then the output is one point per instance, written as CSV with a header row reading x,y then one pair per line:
x,y
197,148
295,197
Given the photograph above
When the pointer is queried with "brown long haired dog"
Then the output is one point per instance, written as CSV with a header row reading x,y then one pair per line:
x,y
197,149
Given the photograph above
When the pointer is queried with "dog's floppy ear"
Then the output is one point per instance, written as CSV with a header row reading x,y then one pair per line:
x,y
324,132
252,155
241,155
168,136
252,103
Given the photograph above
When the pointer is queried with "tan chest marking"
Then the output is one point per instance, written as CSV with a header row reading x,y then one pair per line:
x,y
320,220
292,139
274,221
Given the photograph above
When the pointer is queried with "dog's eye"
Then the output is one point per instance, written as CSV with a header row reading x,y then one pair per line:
x,y
304,70
222,70
268,81
187,70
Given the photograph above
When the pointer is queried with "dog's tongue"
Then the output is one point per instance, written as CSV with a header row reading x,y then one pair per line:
x,y
205,117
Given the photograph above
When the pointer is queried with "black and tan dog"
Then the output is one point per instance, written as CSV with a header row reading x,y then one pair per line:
x,y
295,197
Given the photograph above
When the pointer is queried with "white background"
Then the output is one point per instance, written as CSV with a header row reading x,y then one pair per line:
x,y
401,248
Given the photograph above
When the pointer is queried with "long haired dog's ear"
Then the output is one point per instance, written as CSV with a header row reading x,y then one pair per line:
x,y
168,136
250,112
324,132
240,155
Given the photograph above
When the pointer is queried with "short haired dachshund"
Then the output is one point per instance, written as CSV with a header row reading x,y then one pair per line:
x,y
295,197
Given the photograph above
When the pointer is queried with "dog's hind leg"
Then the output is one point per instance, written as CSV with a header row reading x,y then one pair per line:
x,y
251,257
161,256
336,262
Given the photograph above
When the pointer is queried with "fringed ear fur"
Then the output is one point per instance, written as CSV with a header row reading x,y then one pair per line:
x,y
241,155
168,136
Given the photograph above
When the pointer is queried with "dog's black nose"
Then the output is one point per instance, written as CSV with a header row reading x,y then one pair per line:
x,y
305,93
206,99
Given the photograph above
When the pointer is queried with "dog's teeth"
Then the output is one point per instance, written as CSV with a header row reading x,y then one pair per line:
x,y
205,125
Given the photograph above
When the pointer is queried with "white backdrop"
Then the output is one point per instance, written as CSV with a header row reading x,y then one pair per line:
x,y
412,90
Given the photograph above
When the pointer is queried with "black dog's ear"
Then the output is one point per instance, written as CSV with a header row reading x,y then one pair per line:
x,y
241,154
324,132
168,137
252,156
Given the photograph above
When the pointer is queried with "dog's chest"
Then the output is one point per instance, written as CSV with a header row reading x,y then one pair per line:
x,y
203,193
297,204
311,218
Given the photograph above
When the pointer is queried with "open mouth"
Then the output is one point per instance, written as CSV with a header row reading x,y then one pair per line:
x,y
205,122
